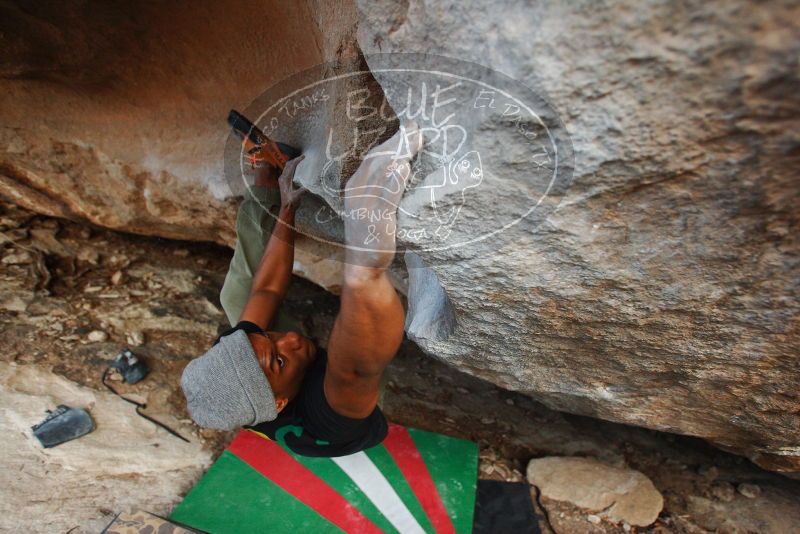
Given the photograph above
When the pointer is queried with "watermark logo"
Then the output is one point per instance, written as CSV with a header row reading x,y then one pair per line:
x,y
495,158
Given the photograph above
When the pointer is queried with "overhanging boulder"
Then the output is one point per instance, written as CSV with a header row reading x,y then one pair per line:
x,y
662,291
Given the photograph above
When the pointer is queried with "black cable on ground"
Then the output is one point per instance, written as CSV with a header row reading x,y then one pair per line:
x,y
140,406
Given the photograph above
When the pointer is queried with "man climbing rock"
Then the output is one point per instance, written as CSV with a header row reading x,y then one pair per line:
x,y
277,382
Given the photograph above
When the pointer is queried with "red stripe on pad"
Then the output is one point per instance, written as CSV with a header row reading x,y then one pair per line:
x,y
269,459
402,448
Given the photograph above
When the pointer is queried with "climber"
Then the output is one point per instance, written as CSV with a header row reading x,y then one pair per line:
x,y
277,382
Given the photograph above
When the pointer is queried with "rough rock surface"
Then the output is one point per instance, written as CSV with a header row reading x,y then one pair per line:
x,y
619,494
662,293
73,483
116,114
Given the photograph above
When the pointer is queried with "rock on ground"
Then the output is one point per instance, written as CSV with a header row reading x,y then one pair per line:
x,y
125,462
616,493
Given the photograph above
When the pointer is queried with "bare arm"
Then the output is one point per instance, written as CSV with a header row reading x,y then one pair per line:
x,y
369,328
367,333
271,279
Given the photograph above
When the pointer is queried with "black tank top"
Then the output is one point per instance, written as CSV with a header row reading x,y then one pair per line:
x,y
310,427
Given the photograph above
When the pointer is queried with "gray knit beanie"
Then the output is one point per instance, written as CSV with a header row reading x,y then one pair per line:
x,y
225,388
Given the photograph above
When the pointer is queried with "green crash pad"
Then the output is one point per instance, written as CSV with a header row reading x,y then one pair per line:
x,y
414,481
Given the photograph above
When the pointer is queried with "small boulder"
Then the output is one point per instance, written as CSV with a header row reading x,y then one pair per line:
x,y
135,338
88,255
751,491
708,472
723,491
17,258
620,494
97,336
117,278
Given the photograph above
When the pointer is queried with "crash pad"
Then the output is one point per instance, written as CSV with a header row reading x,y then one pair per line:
x,y
503,507
415,481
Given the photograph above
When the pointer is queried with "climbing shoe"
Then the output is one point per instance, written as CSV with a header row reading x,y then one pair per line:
x,y
62,424
260,149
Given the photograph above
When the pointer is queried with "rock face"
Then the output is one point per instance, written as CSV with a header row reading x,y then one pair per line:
x,y
663,291
116,114
620,494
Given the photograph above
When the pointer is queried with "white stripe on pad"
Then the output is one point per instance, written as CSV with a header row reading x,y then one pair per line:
x,y
368,477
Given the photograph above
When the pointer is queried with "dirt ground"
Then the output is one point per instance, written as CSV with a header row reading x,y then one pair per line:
x,y
72,296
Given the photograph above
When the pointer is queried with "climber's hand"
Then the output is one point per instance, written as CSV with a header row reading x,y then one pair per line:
x,y
372,196
290,195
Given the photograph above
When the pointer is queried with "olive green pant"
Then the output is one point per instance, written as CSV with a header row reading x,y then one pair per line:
x,y
254,223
